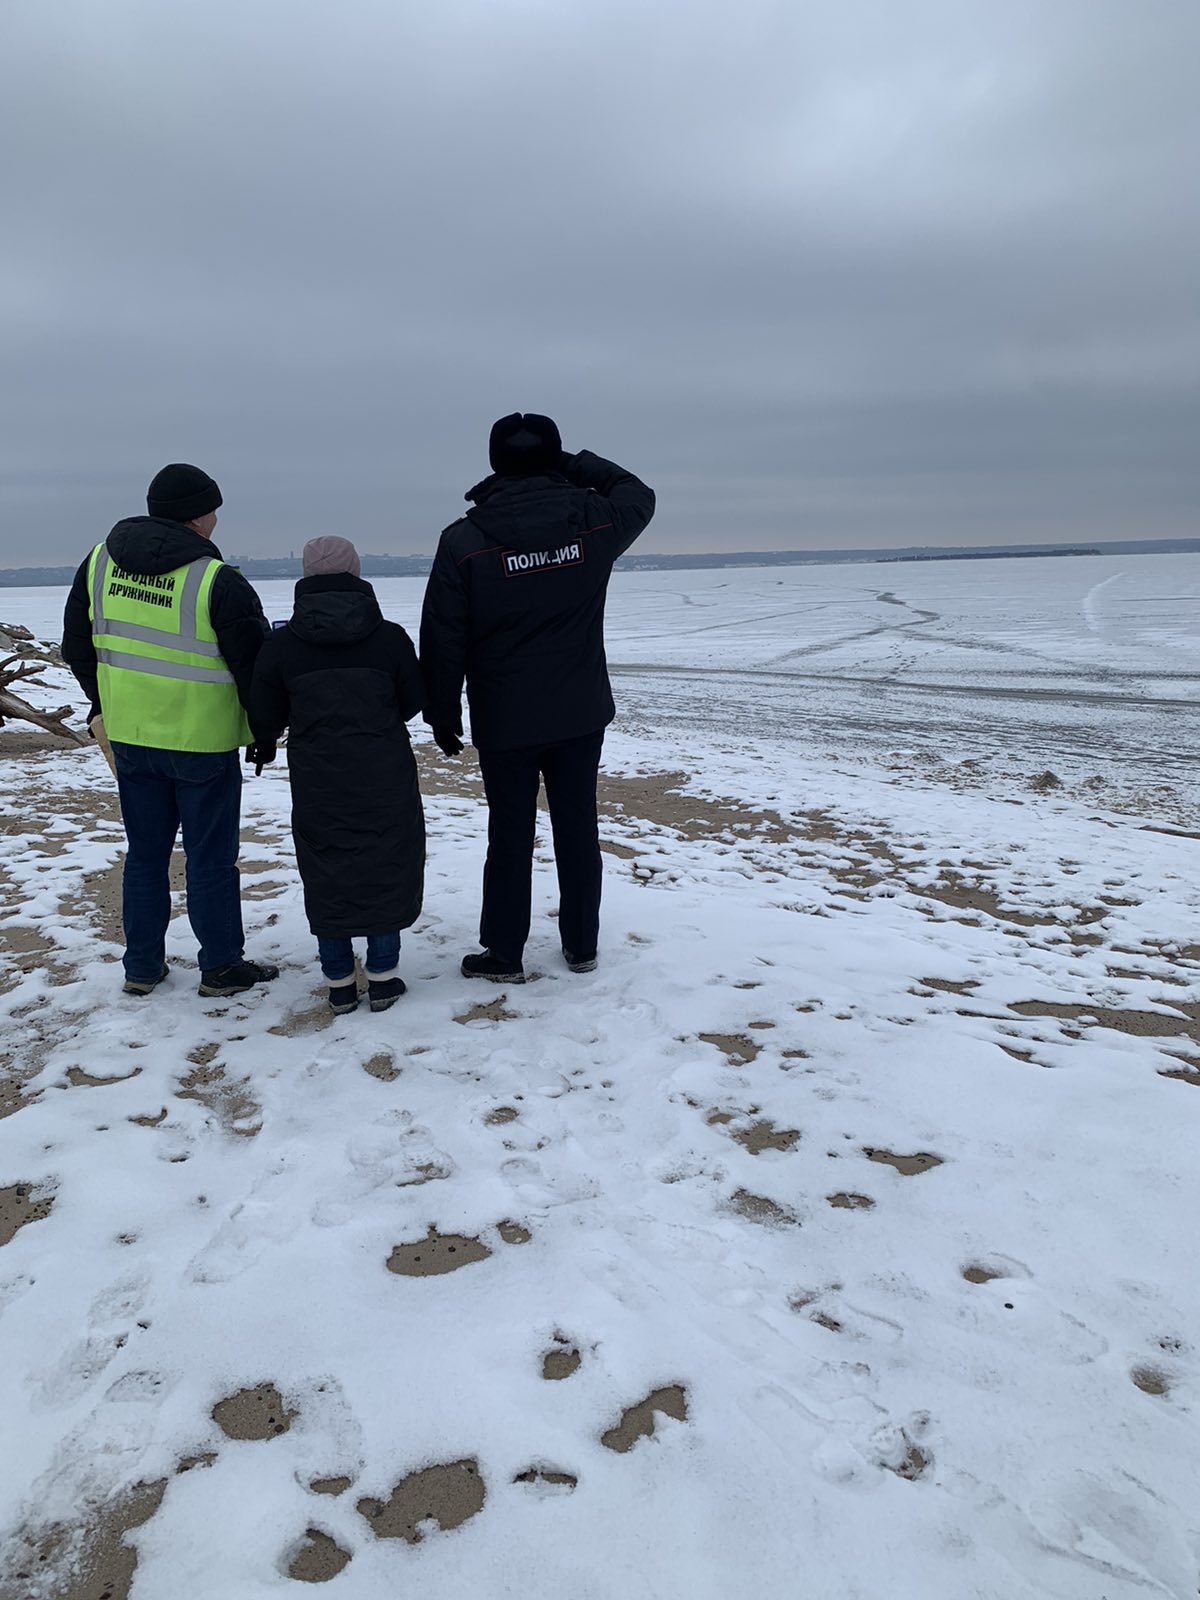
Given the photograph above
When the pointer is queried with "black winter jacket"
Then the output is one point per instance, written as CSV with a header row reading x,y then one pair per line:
x,y
515,604
344,682
156,545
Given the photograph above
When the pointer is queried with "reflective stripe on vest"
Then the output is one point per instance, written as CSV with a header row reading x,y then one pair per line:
x,y
166,686
163,669
186,640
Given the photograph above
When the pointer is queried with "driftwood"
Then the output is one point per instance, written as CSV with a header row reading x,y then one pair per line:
x,y
14,670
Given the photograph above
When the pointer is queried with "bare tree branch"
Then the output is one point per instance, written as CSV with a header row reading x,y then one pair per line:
x,y
14,670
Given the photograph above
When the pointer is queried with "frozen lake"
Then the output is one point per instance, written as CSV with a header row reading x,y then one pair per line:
x,y
1085,664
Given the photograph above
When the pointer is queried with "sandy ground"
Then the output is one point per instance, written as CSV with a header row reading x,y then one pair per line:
x,y
867,861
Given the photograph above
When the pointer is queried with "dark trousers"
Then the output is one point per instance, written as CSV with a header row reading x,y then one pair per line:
x,y
337,956
160,790
510,781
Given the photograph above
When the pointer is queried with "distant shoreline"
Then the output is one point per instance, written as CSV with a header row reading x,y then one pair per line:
x,y
384,566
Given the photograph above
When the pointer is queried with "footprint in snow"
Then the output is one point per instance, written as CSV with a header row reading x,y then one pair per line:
x,y
269,1215
896,1449
330,1486
80,1078
89,1557
12,1288
535,1189
88,1472
395,1152
1151,1380
1115,1529
827,1310
150,1119
758,1208
1026,1313
330,1447
120,1302
546,1480
313,1018
987,1269
253,1225
76,1370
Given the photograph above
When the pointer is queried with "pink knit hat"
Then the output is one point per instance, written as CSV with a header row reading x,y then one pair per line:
x,y
329,555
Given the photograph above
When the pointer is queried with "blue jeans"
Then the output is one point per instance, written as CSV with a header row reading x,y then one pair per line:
x,y
160,790
337,956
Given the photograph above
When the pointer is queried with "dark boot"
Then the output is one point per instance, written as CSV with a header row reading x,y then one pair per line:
x,y
499,969
384,992
343,998
236,978
145,986
581,963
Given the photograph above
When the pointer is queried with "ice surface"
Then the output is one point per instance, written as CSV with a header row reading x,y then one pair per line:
x,y
1085,664
844,1369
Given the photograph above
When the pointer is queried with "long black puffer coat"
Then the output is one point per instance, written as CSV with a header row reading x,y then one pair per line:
x,y
345,682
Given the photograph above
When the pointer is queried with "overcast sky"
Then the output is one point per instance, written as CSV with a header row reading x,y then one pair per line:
x,y
824,272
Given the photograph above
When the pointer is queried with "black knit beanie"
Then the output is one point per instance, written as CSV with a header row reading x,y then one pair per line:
x,y
182,493
524,446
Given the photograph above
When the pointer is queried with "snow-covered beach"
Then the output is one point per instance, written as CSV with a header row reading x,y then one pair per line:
x,y
834,1238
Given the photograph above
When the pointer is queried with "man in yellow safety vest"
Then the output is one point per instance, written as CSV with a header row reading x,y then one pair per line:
x,y
162,636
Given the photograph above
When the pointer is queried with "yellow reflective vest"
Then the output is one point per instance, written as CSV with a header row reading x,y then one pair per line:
x,y
162,679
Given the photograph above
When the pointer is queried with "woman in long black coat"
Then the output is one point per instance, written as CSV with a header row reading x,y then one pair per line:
x,y
344,682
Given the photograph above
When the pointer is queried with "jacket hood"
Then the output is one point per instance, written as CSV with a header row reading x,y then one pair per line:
x,y
335,609
526,513
155,545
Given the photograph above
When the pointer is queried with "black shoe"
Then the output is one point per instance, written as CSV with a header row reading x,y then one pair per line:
x,y
144,986
383,995
343,998
581,963
489,965
236,978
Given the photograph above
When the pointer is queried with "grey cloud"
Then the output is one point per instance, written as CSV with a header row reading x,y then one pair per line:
x,y
825,274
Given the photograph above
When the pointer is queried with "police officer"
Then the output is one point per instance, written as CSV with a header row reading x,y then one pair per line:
x,y
515,605
162,637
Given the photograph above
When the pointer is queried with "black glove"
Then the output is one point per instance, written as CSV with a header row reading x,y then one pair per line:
x,y
447,741
260,755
